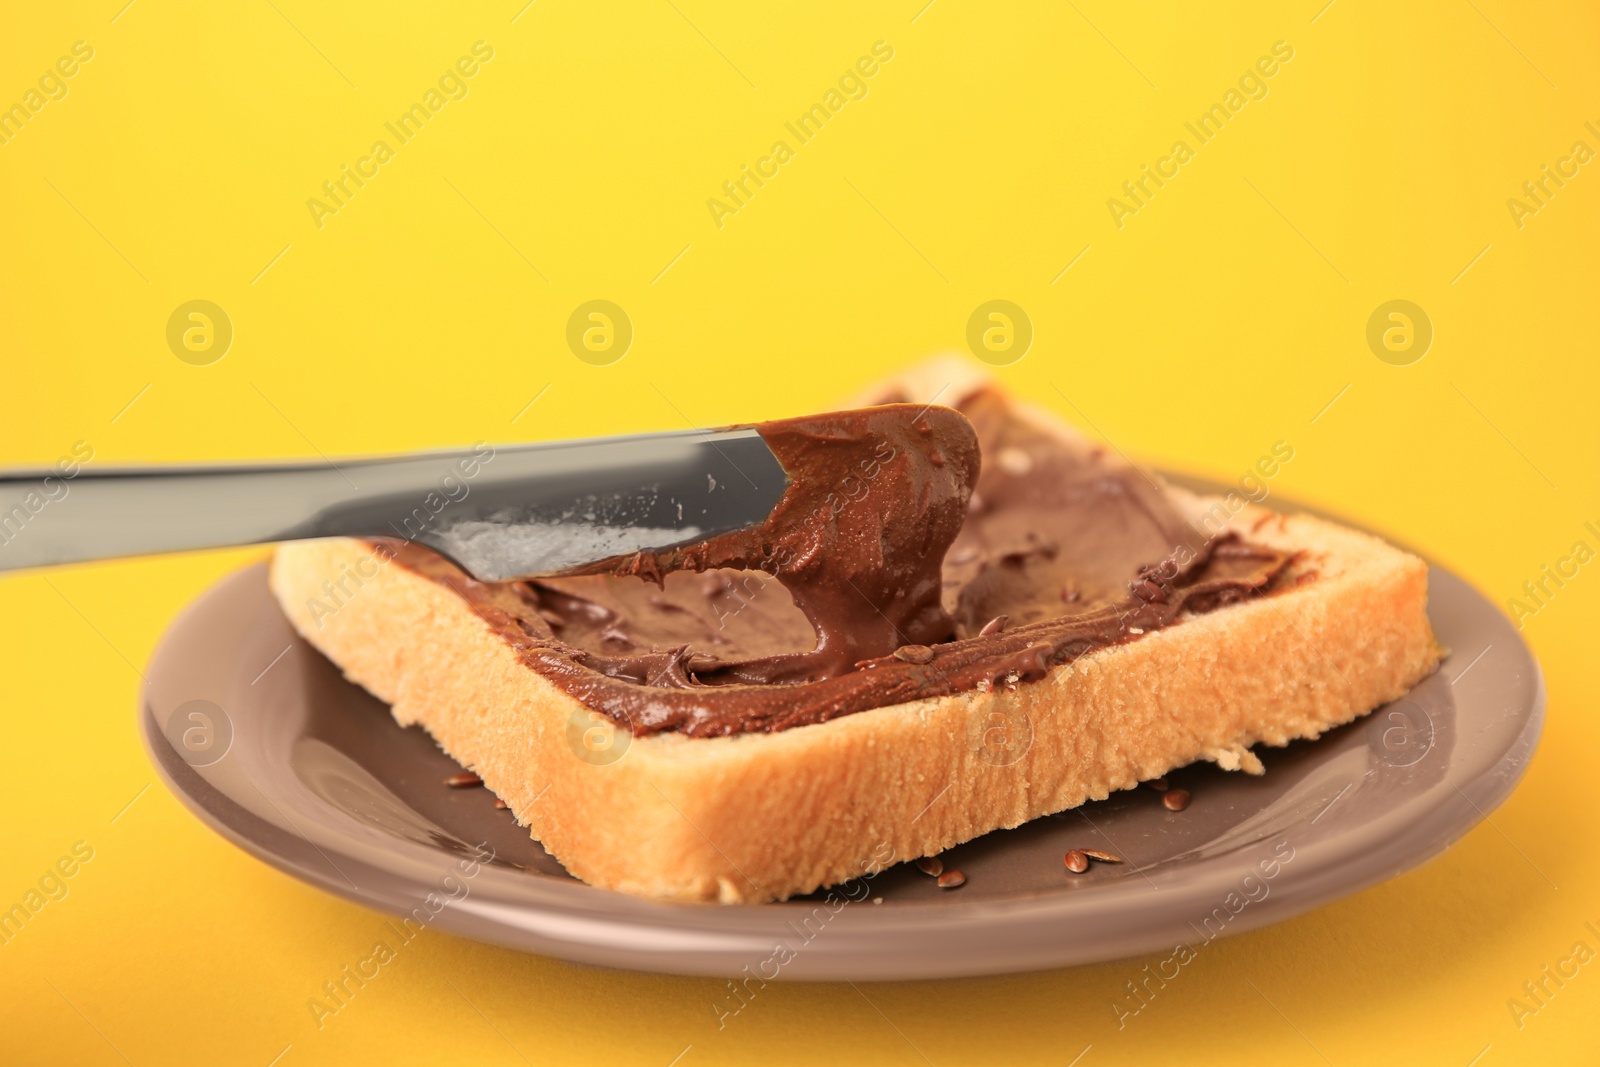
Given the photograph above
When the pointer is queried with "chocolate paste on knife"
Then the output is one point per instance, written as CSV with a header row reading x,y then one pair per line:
x,y
892,570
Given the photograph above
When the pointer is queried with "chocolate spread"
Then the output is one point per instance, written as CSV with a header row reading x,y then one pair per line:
x,y
892,570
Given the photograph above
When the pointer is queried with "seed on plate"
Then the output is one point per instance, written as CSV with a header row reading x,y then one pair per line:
x,y
1176,799
1070,592
502,805
994,626
1158,784
914,654
1077,862
1103,857
931,865
952,880
463,780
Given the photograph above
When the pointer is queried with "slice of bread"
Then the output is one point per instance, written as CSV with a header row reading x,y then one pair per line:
x,y
762,816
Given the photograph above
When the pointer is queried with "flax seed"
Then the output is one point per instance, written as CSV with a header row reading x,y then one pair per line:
x,y
1103,857
1176,799
914,654
463,780
952,880
1149,591
931,865
994,626
1158,784
502,805
1076,862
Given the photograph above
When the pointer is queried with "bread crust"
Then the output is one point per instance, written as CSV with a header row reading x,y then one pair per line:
x,y
757,817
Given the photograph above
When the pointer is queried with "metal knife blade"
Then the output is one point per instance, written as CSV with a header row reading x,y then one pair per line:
x,y
501,512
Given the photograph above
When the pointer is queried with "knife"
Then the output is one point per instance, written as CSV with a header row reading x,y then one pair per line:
x,y
500,512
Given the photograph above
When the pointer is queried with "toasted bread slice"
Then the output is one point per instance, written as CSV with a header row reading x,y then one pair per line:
x,y
762,816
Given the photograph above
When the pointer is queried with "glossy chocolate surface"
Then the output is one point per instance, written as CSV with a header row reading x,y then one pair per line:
x,y
892,570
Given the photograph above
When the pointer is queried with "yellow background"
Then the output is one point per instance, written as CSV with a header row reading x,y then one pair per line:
x,y
1226,315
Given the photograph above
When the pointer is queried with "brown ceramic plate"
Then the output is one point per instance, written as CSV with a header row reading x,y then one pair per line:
x,y
268,744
